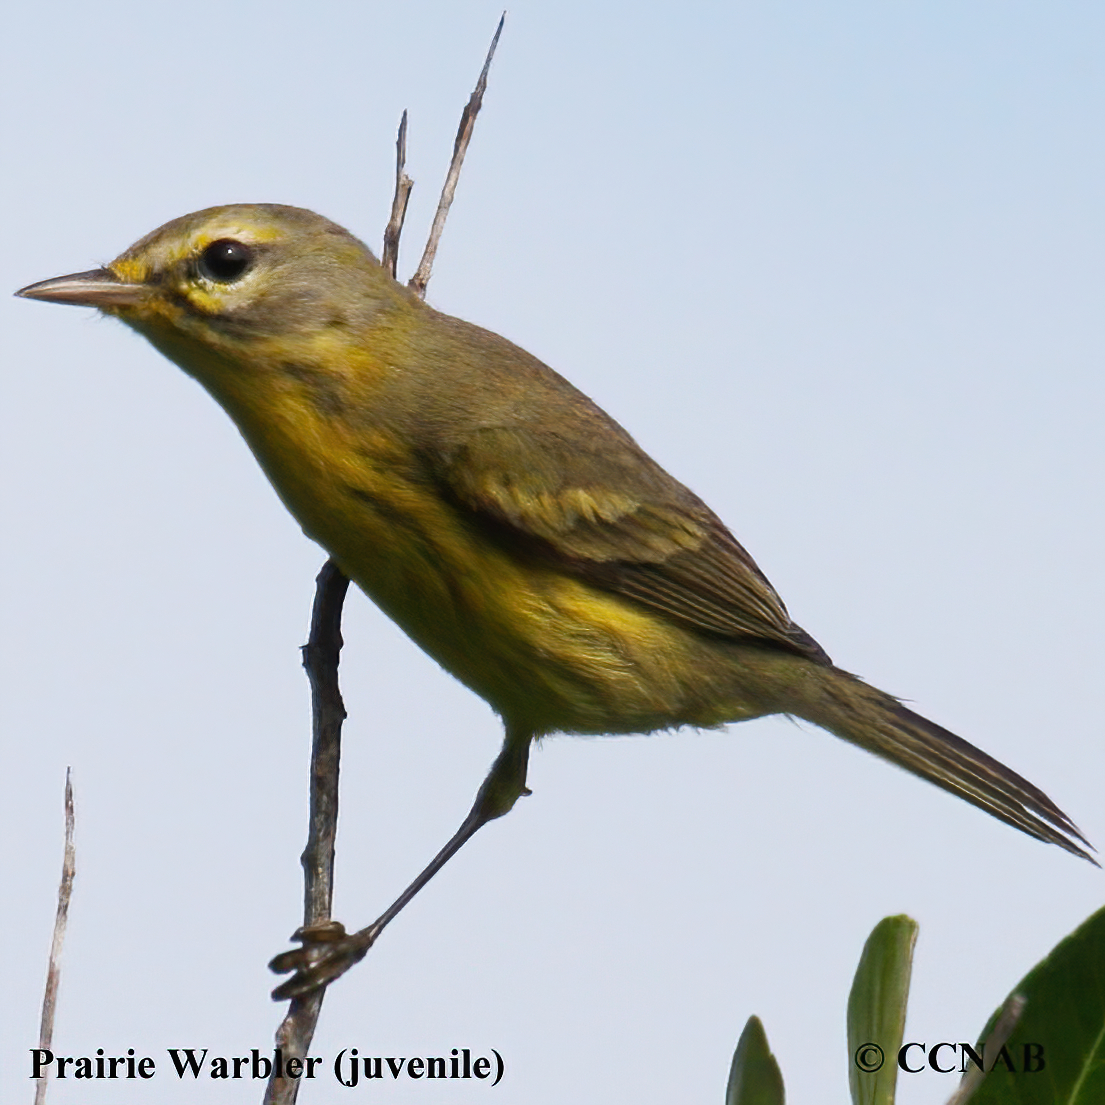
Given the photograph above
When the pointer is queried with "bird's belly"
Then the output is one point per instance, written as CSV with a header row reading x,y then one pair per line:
x,y
546,650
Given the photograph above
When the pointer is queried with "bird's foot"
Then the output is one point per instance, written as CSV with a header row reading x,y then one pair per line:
x,y
328,951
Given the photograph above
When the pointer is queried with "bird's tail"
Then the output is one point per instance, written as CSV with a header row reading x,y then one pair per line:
x,y
866,716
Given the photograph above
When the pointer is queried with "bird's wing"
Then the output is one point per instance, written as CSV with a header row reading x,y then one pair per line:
x,y
603,510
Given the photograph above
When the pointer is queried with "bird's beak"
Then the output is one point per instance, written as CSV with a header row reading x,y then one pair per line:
x,y
95,288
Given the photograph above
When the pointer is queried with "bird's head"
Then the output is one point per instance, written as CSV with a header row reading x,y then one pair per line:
x,y
245,273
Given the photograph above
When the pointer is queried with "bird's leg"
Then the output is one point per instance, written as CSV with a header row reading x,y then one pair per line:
x,y
328,951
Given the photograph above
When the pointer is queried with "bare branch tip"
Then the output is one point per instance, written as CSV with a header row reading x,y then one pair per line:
x,y
421,275
494,44
389,257
61,919
401,145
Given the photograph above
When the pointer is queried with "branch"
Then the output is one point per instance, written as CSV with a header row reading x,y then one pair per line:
x,y
1003,1028
403,185
322,651
320,658
61,918
464,135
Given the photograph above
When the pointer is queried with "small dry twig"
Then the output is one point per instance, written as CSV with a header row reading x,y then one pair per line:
x,y
320,658
322,651
61,918
464,135
403,185
1003,1028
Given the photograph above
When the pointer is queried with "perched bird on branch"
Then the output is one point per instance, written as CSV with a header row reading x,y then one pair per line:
x,y
514,530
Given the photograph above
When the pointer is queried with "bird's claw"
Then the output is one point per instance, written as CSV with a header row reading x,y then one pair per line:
x,y
327,952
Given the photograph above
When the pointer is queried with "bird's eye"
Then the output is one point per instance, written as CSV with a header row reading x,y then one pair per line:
x,y
225,261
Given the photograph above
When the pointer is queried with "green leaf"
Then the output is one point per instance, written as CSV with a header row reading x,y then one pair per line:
x,y
1065,1017
754,1077
876,1010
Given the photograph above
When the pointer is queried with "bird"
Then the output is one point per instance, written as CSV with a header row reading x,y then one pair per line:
x,y
513,529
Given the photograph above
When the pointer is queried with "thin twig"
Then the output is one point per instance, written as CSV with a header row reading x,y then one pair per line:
x,y
464,135
403,185
1003,1028
322,651
61,918
320,658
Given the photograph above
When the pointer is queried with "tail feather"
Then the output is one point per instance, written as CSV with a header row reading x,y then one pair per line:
x,y
878,722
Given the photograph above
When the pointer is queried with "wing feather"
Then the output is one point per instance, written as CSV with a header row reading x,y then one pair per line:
x,y
606,512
